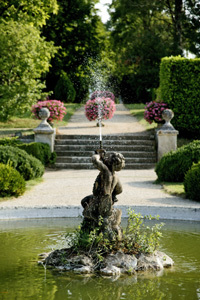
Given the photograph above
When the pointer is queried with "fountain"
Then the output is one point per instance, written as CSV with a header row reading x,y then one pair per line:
x,y
100,123
100,245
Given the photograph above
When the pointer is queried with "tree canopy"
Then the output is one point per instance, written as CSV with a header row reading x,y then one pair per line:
x,y
48,44
24,58
142,33
34,12
77,30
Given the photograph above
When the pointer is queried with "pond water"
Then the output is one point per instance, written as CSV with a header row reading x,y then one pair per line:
x,y
21,277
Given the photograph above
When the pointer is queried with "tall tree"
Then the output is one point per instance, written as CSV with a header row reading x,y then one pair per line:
x,y
76,29
140,39
24,57
185,20
35,12
143,32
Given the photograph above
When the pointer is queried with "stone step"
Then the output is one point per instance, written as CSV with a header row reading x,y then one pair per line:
x,y
105,142
75,151
116,148
80,160
126,154
134,136
79,166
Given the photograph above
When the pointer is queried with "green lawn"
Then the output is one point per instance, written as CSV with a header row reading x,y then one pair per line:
x,y
26,121
174,188
29,185
137,110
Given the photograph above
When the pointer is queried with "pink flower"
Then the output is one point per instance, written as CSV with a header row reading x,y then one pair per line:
x,y
104,105
56,108
154,111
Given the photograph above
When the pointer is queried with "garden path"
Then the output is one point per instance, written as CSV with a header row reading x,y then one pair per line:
x,y
61,191
122,122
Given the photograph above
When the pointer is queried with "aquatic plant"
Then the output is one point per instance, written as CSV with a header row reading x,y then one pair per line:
x,y
137,238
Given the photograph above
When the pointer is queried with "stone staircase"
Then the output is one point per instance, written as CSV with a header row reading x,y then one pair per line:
x,y
75,151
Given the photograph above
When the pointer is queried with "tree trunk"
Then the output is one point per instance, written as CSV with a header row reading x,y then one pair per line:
x,y
178,27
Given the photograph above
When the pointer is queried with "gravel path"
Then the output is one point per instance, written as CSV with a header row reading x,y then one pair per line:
x,y
122,122
61,191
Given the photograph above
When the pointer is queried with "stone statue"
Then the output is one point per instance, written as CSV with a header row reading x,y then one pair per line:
x,y
99,205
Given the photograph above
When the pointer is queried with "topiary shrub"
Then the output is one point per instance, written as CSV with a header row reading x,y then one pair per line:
x,y
27,165
10,141
64,89
12,182
180,88
41,151
173,166
192,182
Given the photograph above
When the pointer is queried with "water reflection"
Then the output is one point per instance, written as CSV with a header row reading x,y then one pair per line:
x,y
21,278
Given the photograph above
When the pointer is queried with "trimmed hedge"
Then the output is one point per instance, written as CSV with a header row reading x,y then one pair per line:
x,y
12,182
180,89
174,165
64,89
10,141
27,165
192,183
39,150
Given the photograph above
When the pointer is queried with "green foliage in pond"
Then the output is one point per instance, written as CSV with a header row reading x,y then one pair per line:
x,y
137,238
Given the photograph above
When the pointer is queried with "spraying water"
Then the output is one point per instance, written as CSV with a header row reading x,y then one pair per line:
x,y
98,81
99,121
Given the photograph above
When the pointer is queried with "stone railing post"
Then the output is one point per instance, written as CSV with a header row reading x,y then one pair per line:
x,y
166,135
44,133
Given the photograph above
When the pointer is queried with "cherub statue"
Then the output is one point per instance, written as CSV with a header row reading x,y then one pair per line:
x,y
105,189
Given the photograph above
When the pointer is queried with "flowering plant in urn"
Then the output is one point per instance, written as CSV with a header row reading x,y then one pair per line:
x,y
154,110
100,107
56,108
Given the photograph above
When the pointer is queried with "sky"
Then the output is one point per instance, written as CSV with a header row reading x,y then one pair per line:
x,y
103,9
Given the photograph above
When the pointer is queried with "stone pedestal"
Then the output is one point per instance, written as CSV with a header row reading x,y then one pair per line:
x,y
44,133
166,135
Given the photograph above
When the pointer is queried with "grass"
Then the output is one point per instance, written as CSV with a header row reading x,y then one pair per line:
x,y
137,110
29,185
174,188
26,121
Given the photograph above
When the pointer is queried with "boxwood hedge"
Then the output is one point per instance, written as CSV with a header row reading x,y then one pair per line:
x,y
39,150
174,165
27,165
12,182
192,183
180,89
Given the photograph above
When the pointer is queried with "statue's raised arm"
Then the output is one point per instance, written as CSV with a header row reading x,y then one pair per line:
x,y
97,160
